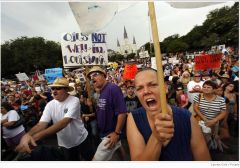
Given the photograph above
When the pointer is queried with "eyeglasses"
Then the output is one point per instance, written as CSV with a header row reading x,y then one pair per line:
x,y
93,75
56,88
197,76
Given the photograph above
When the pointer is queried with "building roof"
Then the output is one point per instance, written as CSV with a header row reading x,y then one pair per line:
x,y
125,33
134,41
118,44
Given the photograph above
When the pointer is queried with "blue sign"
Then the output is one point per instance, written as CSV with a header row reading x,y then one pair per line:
x,y
53,73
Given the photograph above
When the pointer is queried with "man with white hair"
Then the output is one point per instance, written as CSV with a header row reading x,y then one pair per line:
x,y
111,114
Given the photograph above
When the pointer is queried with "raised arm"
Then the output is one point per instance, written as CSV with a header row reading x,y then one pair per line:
x,y
139,150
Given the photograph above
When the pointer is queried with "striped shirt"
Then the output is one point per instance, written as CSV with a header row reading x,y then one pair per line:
x,y
210,109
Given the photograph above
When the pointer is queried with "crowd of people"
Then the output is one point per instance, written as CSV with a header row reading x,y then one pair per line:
x,y
123,117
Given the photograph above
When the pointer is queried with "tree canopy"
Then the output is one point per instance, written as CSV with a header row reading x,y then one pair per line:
x,y
220,27
28,54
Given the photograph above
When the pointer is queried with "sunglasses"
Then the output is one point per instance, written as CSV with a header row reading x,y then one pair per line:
x,y
93,75
56,88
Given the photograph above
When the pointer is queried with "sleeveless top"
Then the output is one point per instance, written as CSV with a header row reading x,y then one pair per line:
x,y
231,104
179,148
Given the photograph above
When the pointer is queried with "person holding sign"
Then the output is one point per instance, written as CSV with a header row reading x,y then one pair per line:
x,y
153,135
111,114
64,111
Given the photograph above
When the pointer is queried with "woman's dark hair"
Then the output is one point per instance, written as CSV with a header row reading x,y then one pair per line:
x,y
229,83
210,83
7,106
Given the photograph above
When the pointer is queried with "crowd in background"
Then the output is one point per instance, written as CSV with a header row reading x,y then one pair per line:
x,y
29,98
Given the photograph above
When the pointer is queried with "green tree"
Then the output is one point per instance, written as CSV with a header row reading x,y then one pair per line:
x,y
26,54
116,57
131,56
177,46
220,27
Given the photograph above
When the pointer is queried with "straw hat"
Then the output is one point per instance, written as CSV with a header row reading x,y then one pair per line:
x,y
96,69
62,82
225,76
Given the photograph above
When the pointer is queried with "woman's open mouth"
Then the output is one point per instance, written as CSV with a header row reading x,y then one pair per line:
x,y
151,103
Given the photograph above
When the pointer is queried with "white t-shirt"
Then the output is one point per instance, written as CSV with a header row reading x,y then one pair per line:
x,y
74,133
190,87
12,115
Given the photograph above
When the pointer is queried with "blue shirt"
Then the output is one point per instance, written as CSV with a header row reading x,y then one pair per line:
x,y
111,103
179,148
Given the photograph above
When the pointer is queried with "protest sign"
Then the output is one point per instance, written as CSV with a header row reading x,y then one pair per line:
x,y
78,49
144,54
81,77
22,76
153,63
206,61
130,71
52,73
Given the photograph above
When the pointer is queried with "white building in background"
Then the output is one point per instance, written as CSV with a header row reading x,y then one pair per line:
x,y
126,47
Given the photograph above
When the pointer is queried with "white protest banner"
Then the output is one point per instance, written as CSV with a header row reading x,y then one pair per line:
x,y
78,49
143,54
93,16
82,78
22,76
192,4
153,63
174,60
221,47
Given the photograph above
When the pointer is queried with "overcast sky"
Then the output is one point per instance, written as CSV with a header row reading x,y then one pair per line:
x,y
51,19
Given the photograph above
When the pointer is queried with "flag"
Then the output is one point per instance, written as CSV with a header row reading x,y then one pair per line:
x,y
192,4
93,16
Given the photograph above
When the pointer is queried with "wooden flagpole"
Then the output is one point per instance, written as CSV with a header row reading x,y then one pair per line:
x,y
88,82
158,56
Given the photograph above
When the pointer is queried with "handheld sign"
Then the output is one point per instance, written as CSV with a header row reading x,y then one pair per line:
x,y
22,76
205,61
53,73
79,49
130,71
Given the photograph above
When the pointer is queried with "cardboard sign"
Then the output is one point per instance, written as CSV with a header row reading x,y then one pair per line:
x,y
153,63
206,61
78,49
53,73
130,71
81,77
22,76
144,54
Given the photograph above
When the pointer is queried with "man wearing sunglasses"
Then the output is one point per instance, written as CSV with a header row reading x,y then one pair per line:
x,y
64,112
194,87
111,114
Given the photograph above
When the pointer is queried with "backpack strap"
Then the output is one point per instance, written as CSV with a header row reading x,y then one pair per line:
x,y
200,96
